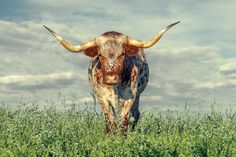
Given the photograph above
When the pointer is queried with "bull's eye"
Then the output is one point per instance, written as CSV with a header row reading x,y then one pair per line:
x,y
102,57
120,56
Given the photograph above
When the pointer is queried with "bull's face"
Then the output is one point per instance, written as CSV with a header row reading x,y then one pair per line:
x,y
111,57
111,48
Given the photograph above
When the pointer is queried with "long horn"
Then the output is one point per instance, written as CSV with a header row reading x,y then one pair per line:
x,y
70,47
147,44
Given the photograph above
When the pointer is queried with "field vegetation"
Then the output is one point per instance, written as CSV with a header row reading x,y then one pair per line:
x,y
33,131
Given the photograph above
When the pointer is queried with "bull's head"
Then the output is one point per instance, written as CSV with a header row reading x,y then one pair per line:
x,y
111,48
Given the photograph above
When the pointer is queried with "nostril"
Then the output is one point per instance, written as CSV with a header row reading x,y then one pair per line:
x,y
110,71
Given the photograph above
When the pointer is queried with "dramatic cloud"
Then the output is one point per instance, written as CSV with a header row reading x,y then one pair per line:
x,y
189,74
33,80
194,62
229,68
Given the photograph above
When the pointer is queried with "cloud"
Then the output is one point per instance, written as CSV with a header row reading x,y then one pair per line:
x,y
34,64
153,98
189,74
212,85
193,61
177,74
229,68
35,79
39,81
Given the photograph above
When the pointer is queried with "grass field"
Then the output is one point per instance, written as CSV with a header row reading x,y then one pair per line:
x,y
30,131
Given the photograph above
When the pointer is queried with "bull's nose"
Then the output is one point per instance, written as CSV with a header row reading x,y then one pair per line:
x,y
111,79
109,71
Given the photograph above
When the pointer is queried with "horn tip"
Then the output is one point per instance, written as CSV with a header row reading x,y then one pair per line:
x,y
51,31
45,27
177,22
172,24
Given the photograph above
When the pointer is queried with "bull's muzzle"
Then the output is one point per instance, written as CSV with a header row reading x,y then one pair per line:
x,y
111,79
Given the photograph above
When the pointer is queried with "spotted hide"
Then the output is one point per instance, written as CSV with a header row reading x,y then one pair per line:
x,y
120,102
118,73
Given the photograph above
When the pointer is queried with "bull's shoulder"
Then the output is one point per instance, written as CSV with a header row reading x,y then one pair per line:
x,y
141,56
138,60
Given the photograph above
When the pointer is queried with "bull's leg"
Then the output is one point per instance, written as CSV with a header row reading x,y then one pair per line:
x,y
134,118
107,100
134,113
124,125
125,116
111,126
128,104
110,122
130,115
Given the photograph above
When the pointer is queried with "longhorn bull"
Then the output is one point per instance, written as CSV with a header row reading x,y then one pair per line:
x,y
118,73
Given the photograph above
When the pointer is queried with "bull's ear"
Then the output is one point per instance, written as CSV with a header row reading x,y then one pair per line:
x,y
131,50
91,52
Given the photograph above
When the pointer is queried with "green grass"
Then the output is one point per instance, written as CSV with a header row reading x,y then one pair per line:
x,y
30,131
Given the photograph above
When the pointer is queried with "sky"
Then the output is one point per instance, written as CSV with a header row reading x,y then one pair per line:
x,y
193,63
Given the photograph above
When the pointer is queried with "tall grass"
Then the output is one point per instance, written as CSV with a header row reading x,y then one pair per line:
x,y
31,131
